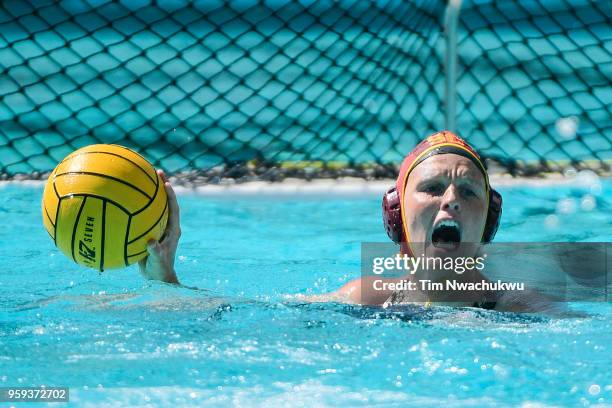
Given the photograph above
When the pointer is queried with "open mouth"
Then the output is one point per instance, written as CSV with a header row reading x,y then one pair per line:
x,y
446,234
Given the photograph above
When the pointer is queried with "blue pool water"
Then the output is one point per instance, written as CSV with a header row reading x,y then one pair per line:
x,y
116,339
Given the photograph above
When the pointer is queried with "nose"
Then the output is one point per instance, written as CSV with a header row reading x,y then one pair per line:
x,y
450,199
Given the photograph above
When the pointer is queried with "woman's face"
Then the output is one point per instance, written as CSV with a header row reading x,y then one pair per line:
x,y
445,204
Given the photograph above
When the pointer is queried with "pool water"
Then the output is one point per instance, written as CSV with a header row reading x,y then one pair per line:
x,y
116,339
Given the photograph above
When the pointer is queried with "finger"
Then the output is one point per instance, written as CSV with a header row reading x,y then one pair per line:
x,y
162,174
173,208
174,211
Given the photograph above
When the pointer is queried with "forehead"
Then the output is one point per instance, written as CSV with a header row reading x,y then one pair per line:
x,y
447,165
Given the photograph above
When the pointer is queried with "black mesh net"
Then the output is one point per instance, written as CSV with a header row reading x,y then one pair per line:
x,y
534,86
269,89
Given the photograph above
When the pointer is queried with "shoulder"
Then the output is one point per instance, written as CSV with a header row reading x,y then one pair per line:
x,y
527,301
363,291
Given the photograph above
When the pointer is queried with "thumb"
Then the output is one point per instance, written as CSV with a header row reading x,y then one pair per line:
x,y
153,249
152,252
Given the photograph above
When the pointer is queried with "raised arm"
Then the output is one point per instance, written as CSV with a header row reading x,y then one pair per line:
x,y
159,264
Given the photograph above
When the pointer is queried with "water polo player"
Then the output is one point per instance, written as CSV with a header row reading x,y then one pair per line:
x,y
441,206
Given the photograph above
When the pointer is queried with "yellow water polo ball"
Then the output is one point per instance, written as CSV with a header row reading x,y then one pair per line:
x,y
102,204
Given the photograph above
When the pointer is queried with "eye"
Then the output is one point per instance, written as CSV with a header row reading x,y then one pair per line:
x,y
433,188
468,192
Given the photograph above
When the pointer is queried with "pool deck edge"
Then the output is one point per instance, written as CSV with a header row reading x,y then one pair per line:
x,y
342,187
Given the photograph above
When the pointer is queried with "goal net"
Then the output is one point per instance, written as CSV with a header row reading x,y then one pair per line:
x,y
271,88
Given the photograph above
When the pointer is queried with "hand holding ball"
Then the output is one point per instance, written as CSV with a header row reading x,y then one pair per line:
x,y
102,205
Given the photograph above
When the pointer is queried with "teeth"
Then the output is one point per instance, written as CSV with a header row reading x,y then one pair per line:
x,y
448,223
